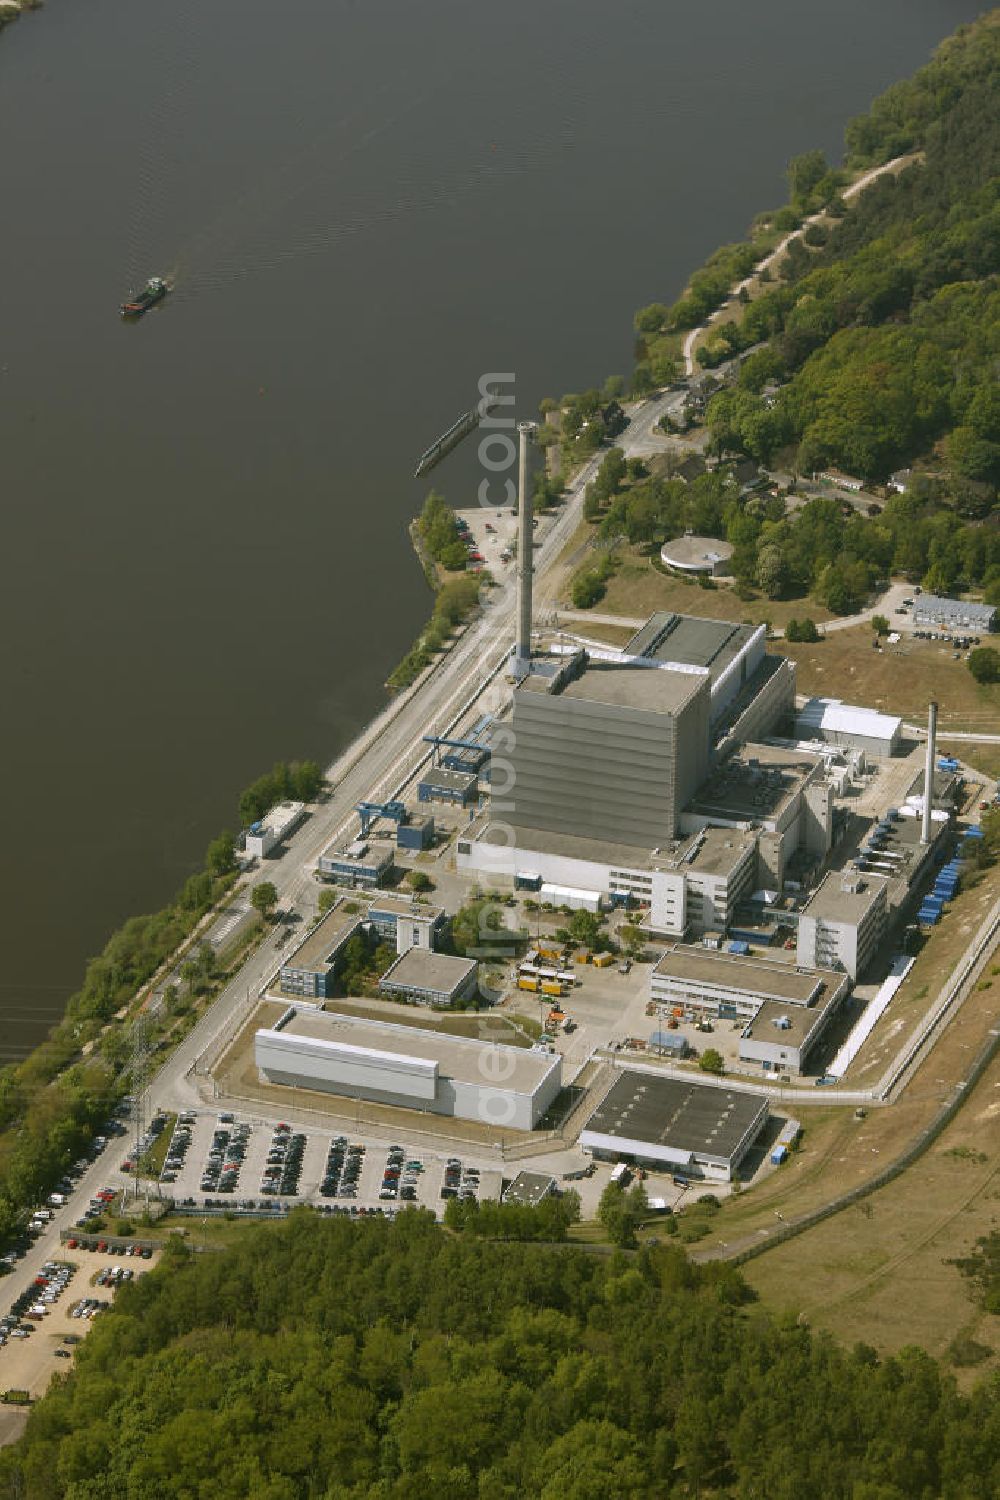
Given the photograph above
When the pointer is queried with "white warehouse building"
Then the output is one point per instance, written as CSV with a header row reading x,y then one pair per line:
x,y
837,723
408,1066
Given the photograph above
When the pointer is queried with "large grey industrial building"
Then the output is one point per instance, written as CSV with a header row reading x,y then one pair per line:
x,y
604,749
410,1067
696,1128
734,986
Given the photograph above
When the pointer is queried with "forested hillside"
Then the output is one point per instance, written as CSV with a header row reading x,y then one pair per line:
x,y
342,1360
873,344
887,332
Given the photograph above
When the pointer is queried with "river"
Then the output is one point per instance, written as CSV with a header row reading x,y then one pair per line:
x,y
365,206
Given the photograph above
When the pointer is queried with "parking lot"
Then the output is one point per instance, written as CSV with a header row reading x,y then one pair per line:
x,y
65,1297
280,1163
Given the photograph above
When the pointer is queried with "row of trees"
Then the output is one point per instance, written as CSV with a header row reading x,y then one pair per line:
x,y
298,781
439,533
550,1221
369,1360
454,602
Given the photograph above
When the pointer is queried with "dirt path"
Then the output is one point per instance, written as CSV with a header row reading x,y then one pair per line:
x,y
751,283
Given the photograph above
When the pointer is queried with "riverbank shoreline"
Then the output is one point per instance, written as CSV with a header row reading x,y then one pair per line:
x,y
11,9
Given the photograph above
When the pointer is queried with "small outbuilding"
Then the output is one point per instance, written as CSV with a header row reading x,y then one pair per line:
x,y
689,554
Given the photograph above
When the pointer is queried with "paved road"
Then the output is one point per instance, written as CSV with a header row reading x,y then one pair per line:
x,y
384,758
885,604
850,192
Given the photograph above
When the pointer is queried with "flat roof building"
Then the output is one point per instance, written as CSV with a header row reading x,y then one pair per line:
x,y
711,982
438,784
840,723
425,978
605,749
361,864
780,1038
836,723
309,968
783,791
409,1067
842,923
408,924
953,614
729,653
697,554
698,1129
694,882
276,825
529,1189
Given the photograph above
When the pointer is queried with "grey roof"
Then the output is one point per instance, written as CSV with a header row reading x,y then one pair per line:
x,y
832,902
756,784
712,851
681,1116
398,906
801,1021
419,969
696,551
622,686
362,852
529,1188
452,781
959,611
458,1057
690,641
717,851
316,950
767,979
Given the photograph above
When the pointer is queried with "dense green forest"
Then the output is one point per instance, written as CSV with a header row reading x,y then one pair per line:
x,y
887,335
354,1361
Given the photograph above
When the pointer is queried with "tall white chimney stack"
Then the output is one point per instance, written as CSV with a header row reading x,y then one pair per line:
x,y
525,548
925,832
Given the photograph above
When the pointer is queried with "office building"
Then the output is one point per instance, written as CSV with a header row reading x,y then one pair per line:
x,y
715,984
843,922
421,977
407,924
933,612
363,864
309,968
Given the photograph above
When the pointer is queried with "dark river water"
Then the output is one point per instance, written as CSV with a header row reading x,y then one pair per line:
x,y
365,204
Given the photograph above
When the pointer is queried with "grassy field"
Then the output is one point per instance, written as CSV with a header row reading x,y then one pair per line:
x,y
639,588
899,679
943,949
880,1272
152,1162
